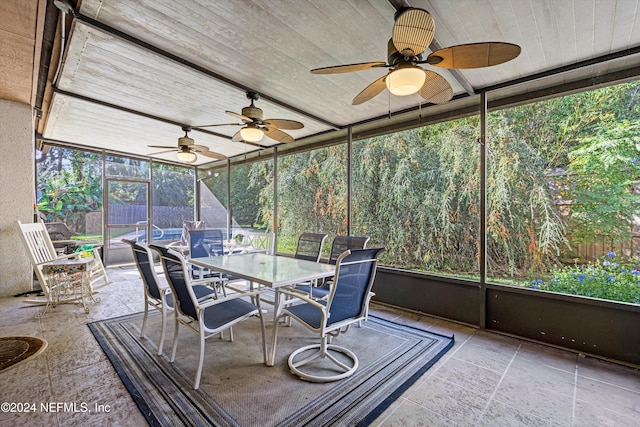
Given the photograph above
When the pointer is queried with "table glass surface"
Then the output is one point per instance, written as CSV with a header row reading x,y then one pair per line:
x,y
269,270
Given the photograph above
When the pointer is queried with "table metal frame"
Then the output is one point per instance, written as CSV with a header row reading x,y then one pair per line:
x,y
273,271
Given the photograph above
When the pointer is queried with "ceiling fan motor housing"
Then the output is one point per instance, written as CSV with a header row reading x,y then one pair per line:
x,y
393,56
253,113
185,141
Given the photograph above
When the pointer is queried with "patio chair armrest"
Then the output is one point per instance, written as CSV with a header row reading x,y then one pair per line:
x,y
210,302
209,280
69,256
301,296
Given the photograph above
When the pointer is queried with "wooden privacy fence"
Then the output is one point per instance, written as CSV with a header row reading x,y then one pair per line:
x,y
589,252
584,253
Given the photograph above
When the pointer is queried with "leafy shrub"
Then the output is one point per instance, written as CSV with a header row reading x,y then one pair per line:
x,y
606,278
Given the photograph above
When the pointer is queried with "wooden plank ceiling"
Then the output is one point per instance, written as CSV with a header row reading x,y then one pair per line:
x,y
164,63
20,48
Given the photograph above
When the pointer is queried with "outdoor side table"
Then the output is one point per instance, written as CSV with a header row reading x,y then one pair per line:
x,y
70,282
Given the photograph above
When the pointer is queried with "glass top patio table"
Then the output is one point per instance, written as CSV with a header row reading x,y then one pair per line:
x,y
268,270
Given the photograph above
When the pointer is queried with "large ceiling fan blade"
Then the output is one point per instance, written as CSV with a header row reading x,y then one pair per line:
x,y
211,154
278,135
370,91
283,124
348,68
474,55
163,146
199,147
161,152
219,124
236,137
436,89
413,31
240,116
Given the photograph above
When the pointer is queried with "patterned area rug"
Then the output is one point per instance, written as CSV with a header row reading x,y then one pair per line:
x,y
237,389
14,350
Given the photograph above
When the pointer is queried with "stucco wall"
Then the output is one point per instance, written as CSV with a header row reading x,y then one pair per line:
x,y
16,194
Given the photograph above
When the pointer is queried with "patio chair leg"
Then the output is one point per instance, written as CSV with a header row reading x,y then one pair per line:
x,y
144,320
196,383
175,340
264,335
164,328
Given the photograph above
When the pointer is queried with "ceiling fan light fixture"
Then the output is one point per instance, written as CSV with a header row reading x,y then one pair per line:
x,y
251,133
186,155
405,80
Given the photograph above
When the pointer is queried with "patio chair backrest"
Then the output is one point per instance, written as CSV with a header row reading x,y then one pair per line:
x,y
144,262
38,243
205,243
188,226
342,243
174,270
355,273
310,246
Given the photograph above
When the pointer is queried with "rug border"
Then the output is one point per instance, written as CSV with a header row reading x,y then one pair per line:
x,y
142,405
153,421
384,405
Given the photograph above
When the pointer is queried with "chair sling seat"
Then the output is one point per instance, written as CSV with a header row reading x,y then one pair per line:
x,y
316,292
227,312
308,314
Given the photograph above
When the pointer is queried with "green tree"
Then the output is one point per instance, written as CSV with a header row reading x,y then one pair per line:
x,y
69,185
415,192
245,195
604,170
173,195
311,193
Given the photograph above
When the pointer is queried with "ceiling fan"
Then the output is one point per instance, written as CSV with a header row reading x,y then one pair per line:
x,y
187,149
255,127
413,32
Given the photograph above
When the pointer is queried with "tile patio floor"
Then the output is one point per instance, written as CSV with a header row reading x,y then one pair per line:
x,y
484,380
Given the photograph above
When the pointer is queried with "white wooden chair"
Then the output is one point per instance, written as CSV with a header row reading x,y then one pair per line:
x,y
42,252
259,242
